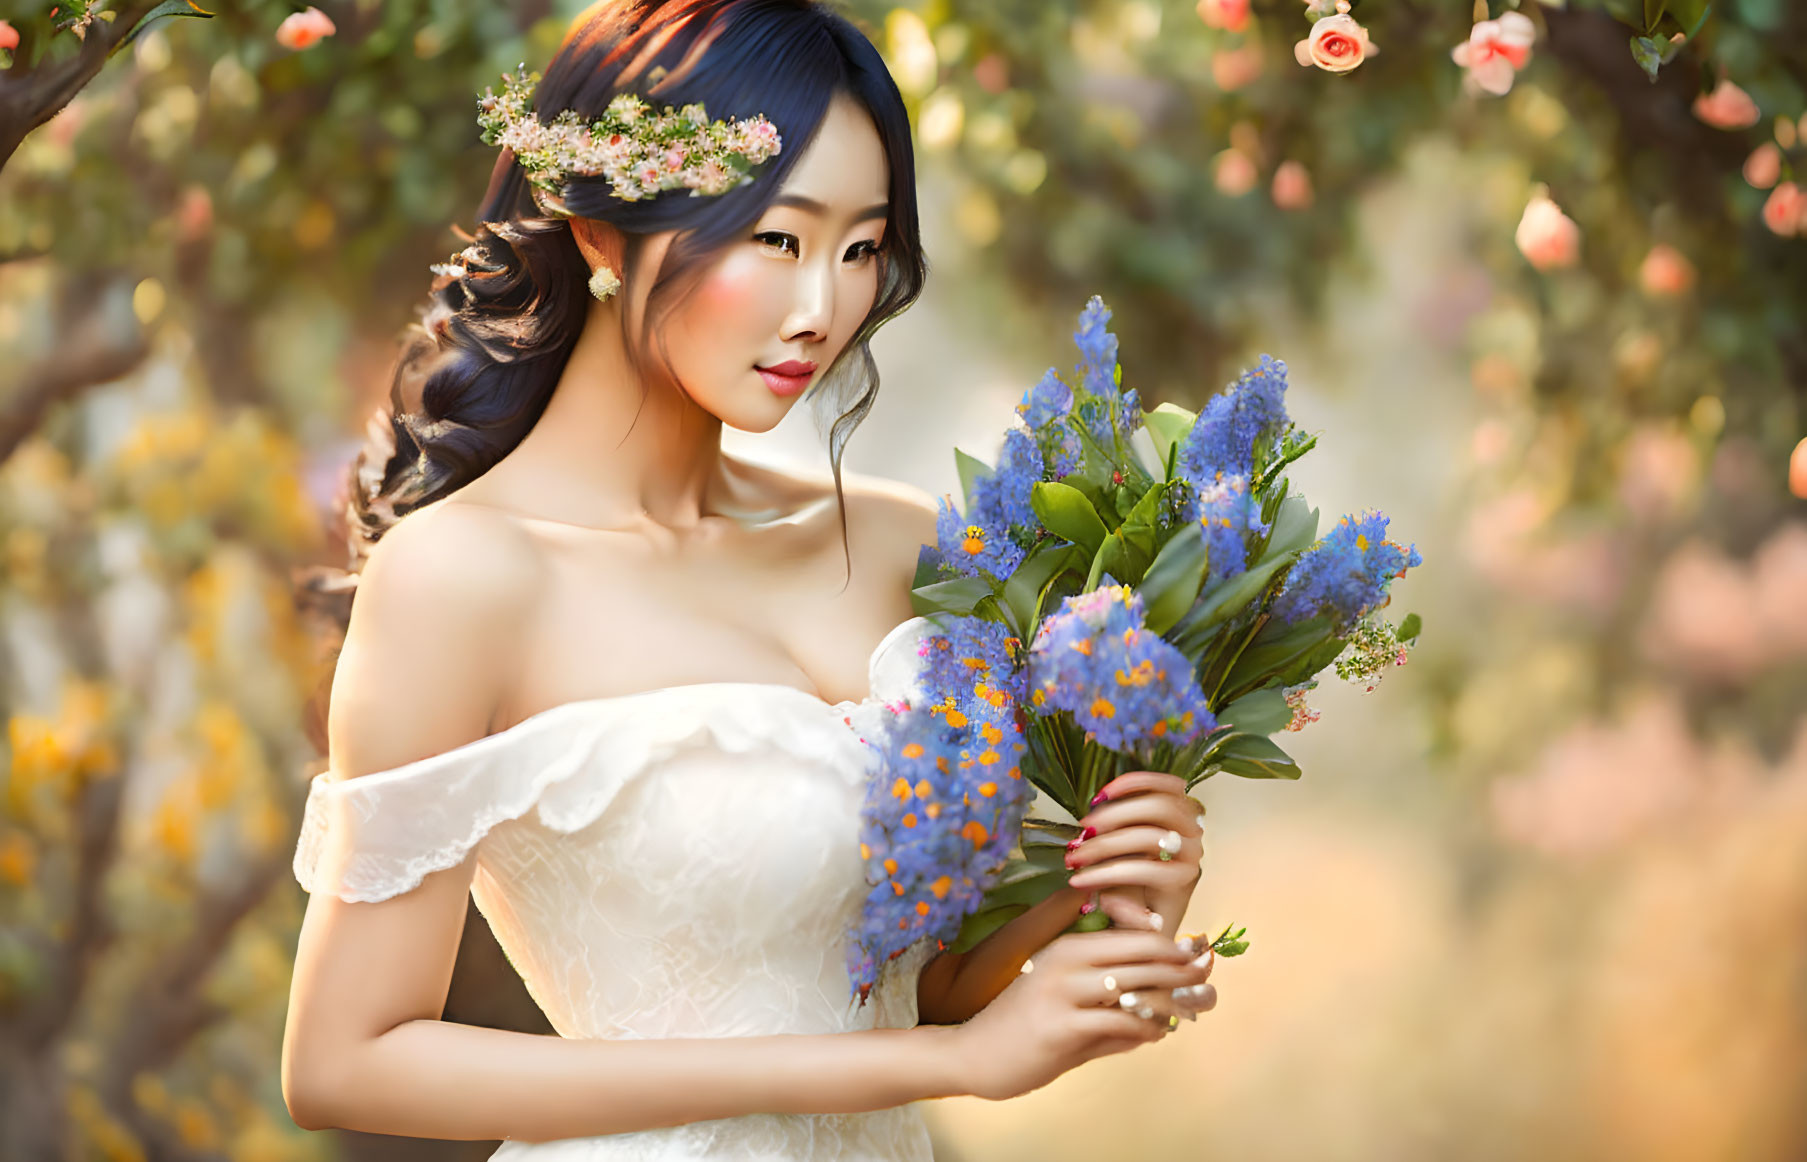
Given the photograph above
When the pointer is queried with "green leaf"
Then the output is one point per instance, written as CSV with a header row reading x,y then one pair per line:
x,y
1171,584
1410,628
957,596
1295,528
1028,586
1066,513
1168,426
1648,52
167,8
972,470
1275,650
1259,712
983,923
1222,602
1653,12
1252,757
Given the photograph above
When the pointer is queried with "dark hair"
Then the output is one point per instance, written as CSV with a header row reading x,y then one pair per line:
x,y
491,344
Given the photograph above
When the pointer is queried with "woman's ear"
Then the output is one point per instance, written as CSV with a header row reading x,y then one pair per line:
x,y
601,243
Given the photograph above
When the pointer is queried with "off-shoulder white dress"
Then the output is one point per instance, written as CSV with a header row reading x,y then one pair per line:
x,y
682,862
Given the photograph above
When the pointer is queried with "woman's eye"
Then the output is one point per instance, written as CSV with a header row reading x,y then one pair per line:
x,y
782,239
863,250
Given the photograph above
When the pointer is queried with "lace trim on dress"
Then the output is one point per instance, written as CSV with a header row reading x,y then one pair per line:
x,y
369,838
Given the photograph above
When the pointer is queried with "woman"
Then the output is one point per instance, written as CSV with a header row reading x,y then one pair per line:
x,y
609,680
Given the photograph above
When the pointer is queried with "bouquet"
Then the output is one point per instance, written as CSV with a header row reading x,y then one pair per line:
x,y
1125,590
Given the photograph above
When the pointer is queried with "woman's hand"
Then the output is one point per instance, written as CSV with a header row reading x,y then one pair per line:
x,y
1064,1009
1119,853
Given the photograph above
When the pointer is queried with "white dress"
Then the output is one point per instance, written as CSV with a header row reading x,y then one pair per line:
x,y
682,862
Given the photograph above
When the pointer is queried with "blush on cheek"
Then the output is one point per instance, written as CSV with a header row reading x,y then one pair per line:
x,y
726,295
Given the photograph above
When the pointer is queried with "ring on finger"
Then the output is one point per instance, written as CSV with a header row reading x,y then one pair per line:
x,y
1170,844
1110,987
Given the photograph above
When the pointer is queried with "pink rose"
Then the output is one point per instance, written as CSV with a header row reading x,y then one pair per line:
x,y
1234,174
1336,44
1763,166
1232,68
1665,271
9,36
1726,107
1784,211
298,30
1495,50
1229,15
1292,186
992,73
1546,236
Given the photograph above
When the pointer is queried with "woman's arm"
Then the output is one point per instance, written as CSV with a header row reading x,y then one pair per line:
x,y
955,985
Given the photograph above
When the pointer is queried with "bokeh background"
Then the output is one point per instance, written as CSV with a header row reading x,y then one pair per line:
x,y
1542,894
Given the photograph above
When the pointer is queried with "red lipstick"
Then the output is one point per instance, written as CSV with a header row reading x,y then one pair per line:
x,y
789,377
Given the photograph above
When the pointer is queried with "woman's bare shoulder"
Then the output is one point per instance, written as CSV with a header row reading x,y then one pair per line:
x,y
886,516
440,604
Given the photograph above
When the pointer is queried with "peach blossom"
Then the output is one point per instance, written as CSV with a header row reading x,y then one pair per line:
x,y
298,30
1665,271
1229,15
1234,173
1546,236
1495,50
1659,472
9,36
1232,68
993,73
1292,186
1779,577
1797,470
1703,616
1784,210
1764,166
194,213
1336,44
1726,107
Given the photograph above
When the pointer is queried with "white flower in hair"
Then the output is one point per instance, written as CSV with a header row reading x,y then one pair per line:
x,y
640,152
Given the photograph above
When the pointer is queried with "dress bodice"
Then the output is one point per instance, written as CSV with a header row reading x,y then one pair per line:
x,y
682,862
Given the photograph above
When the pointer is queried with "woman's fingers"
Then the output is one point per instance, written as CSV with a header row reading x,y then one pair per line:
x,y
1157,807
1127,908
1136,840
1141,871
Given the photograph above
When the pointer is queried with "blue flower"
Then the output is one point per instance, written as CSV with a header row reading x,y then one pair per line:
x,y
1126,685
1047,402
942,811
1097,367
1001,521
1229,512
1224,438
1347,574
973,657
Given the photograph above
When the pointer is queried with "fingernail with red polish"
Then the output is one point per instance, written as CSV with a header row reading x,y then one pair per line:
x,y
1099,798
1087,833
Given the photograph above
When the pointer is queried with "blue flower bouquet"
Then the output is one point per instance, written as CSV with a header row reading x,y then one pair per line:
x,y
1126,590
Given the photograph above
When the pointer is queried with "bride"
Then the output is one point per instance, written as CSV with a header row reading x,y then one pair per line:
x,y
611,682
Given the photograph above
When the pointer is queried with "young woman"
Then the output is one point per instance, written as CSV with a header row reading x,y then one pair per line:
x,y
608,680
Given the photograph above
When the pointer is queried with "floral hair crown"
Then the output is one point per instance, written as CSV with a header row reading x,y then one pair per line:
x,y
640,152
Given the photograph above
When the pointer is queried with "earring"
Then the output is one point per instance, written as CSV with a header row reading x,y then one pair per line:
x,y
603,282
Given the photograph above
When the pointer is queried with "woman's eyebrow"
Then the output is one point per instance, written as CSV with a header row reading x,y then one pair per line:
x,y
810,204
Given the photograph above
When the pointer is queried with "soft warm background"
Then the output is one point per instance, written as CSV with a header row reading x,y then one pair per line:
x,y
1542,895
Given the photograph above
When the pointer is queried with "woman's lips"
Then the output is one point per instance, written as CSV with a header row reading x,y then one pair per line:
x,y
782,384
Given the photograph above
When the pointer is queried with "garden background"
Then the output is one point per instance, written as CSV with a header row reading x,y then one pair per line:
x,y
1542,894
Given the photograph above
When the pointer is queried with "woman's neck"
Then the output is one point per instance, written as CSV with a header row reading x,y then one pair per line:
x,y
615,450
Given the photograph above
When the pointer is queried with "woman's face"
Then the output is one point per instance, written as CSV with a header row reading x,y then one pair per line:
x,y
795,287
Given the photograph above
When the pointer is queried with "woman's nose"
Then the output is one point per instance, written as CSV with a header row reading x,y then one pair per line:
x,y
812,310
